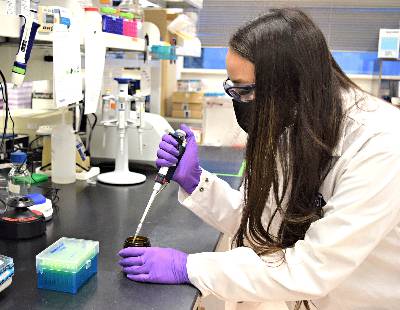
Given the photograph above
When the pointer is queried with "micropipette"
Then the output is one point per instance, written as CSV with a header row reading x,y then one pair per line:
x,y
27,37
164,176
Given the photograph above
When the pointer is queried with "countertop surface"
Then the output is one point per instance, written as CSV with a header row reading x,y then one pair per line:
x,y
109,214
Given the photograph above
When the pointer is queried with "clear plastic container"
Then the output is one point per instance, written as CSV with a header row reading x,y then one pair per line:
x,y
19,177
67,264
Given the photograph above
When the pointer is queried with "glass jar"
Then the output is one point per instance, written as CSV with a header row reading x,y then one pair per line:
x,y
19,177
139,241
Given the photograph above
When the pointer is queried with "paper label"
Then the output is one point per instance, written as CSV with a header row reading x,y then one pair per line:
x,y
145,80
67,76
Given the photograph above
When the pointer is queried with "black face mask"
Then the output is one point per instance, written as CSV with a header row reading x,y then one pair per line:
x,y
243,113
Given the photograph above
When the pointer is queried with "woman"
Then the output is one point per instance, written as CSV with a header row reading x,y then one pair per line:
x,y
317,218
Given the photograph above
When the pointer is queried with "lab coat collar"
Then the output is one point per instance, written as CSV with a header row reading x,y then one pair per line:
x,y
351,99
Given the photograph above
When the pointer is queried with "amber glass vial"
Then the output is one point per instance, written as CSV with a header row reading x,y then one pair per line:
x,y
139,241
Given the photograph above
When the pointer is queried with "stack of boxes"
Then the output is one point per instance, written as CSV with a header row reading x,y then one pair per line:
x,y
187,105
122,23
20,97
187,102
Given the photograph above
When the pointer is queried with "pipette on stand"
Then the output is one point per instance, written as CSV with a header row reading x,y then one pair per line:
x,y
164,176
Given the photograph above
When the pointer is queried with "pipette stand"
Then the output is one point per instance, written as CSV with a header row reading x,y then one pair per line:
x,y
121,175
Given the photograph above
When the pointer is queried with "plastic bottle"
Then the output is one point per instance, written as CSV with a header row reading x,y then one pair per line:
x,y
63,154
19,177
92,19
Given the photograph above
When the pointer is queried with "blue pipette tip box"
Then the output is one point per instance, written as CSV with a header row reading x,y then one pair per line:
x,y
67,264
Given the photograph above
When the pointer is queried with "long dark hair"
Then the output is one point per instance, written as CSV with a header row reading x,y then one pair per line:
x,y
296,125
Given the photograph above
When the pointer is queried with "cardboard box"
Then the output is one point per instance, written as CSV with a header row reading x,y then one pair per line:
x,y
161,19
187,97
187,106
187,114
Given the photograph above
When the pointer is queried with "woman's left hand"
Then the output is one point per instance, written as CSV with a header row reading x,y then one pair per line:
x,y
155,265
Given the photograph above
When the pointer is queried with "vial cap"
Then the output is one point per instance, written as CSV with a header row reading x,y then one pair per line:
x,y
18,157
123,80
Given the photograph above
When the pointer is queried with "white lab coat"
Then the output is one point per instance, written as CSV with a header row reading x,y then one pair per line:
x,y
349,259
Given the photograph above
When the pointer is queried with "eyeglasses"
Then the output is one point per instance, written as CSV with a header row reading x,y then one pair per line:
x,y
240,92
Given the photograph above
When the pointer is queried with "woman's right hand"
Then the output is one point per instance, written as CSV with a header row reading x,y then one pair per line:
x,y
187,173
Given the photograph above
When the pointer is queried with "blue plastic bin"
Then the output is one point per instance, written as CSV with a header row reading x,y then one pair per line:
x,y
113,24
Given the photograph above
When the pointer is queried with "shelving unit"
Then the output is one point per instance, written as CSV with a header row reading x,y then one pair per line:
x,y
10,29
183,120
193,4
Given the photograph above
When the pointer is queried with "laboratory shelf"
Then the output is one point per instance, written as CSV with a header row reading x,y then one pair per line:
x,y
184,120
115,41
9,27
193,4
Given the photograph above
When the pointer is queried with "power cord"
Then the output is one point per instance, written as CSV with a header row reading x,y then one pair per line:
x,y
4,206
89,139
4,92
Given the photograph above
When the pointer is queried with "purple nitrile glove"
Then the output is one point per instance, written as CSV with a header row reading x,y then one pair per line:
x,y
155,265
188,172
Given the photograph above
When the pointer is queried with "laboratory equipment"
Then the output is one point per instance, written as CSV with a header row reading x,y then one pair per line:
x,y
63,152
19,177
130,27
112,24
42,205
138,241
19,222
83,171
67,264
51,15
105,140
108,10
28,33
163,52
121,175
6,271
164,176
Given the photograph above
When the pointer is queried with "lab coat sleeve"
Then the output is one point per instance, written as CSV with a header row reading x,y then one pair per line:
x,y
215,202
364,207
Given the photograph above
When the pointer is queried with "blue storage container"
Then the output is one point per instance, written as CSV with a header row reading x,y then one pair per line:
x,y
67,264
112,24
